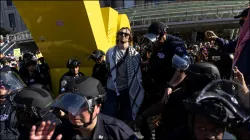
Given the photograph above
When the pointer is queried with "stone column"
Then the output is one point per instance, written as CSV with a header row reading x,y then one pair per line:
x,y
232,33
194,36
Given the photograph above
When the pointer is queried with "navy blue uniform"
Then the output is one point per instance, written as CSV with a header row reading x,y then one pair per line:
x,y
100,72
8,122
107,128
161,60
66,78
160,63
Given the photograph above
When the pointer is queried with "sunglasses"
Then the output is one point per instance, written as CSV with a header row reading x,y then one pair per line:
x,y
122,33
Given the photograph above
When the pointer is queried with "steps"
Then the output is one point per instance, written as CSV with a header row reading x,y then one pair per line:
x,y
7,48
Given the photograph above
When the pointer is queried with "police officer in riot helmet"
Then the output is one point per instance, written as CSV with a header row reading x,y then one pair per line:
x,y
100,71
30,74
198,76
83,105
164,46
10,83
73,65
32,106
214,110
26,57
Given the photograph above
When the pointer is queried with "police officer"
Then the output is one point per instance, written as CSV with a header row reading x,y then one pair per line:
x,y
222,60
238,46
30,74
45,71
86,122
73,66
100,71
10,83
213,111
198,76
26,57
164,47
32,107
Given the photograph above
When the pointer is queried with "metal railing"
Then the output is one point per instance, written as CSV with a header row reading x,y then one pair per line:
x,y
189,15
21,36
171,4
173,11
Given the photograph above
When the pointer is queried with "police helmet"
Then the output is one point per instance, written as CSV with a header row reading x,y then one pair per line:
x,y
31,61
96,55
10,82
156,30
84,92
73,63
202,70
223,101
27,56
196,70
32,104
41,86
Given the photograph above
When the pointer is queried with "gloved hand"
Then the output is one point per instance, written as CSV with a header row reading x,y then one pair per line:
x,y
136,124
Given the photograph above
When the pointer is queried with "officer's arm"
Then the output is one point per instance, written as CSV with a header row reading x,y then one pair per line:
x,y
177,78
178,75
227,46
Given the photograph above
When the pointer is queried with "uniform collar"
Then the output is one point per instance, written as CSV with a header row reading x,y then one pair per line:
x,y
100,133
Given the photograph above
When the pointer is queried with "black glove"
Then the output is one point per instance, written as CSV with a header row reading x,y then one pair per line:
x,y
136,124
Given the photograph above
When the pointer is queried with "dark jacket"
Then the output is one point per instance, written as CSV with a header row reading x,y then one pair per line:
x,y
161,59
66,78
107,128
8,122
100,72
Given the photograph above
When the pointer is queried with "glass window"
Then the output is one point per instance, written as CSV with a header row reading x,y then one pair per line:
x,y
12,20
9,3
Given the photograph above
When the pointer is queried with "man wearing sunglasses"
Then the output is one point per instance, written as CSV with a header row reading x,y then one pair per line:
x,y
123,86
164,47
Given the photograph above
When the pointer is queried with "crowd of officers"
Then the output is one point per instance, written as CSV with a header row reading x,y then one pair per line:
x,y
185,93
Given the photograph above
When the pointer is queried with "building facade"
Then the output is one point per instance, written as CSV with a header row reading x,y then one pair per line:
x,y
10,18
130,3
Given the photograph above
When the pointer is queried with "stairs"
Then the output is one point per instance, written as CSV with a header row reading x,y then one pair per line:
x,y
7,48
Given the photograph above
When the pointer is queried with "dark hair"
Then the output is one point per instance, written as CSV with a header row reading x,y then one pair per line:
x,y
130,36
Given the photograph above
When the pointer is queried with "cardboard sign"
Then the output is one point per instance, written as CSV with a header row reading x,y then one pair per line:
x,y
17,52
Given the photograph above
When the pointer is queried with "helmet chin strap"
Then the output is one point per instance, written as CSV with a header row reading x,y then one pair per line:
x,y
90,120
